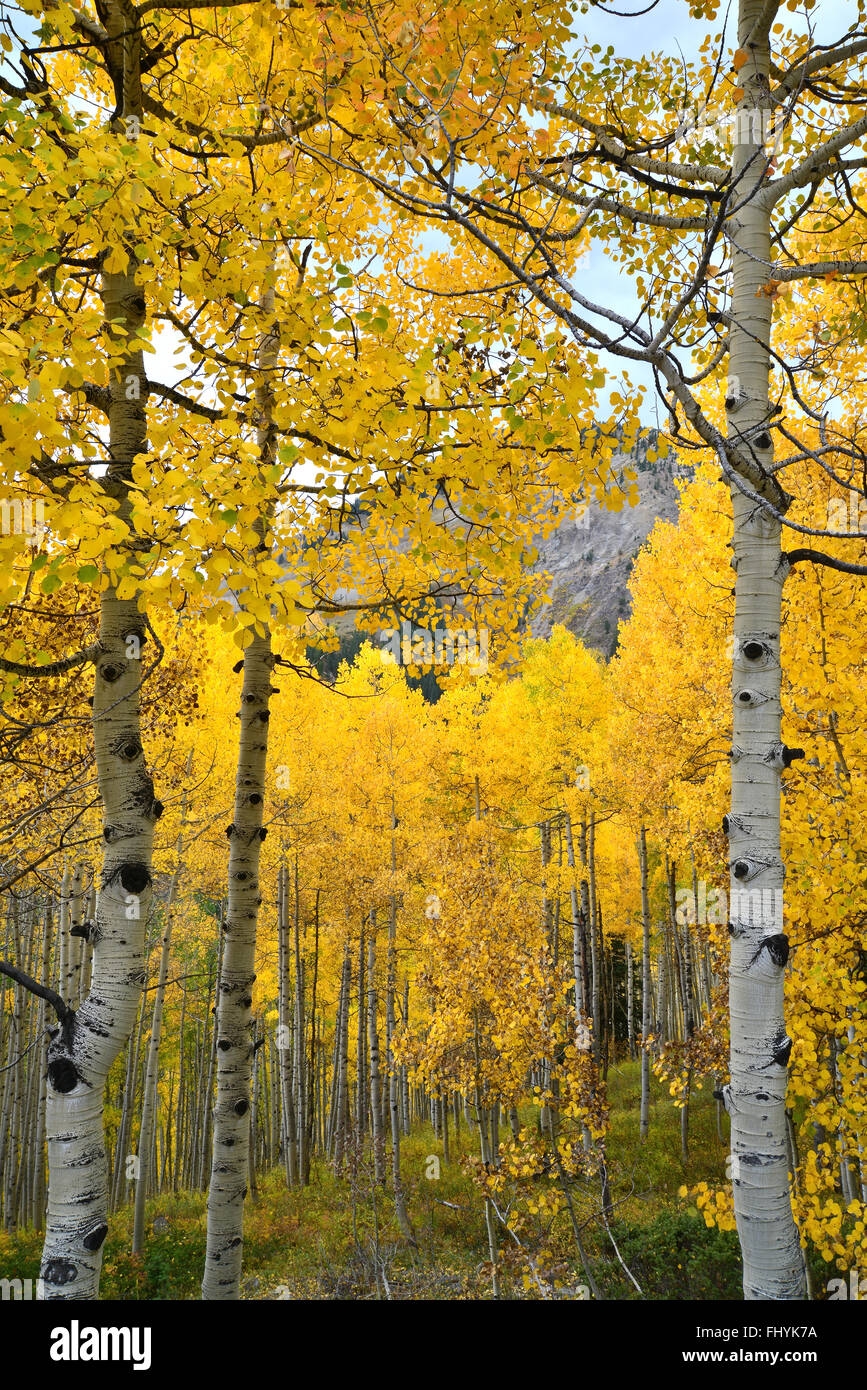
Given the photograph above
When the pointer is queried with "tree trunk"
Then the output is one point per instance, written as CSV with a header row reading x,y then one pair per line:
x,y
149,1096
375,1080
230,1158
229,1165
756,1096
646,988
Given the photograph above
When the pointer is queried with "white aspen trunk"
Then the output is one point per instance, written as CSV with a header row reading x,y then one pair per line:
x,y
119,1179
254,1125
180,1136
286,1050
484,1153
149,1095
83,1048
231,1143
595,964
646,988
375,1080
206,1120
341,1097
360,1047
305,1087
577,967
630,1001
71,990
234,1022
663,990
394,1072
756,1095
39,1141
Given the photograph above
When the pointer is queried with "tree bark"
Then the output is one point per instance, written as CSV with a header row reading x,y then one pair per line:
x,y
756,1095
646,988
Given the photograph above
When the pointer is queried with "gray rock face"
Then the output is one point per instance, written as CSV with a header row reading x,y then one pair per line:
x,y
590,559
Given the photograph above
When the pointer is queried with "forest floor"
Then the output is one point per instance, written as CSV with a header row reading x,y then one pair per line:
x,y
338,1239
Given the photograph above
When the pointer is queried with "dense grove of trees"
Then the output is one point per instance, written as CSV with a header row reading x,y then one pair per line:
x,y
256,914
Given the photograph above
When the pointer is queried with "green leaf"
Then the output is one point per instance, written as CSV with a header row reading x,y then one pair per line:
x,y
88,574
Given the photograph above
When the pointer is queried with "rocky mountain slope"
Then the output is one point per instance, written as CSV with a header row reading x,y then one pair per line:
x,y
590,560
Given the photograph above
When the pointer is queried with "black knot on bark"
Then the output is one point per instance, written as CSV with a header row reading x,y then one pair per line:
x,y
93,1240
110,672
782,1050
777,948
238,666
129,750
791,755
741,868
254,798
134,878
230,830
224,1044
264,715
58,1272
246,1001
63,1075
262,833
242,876
241,1107
136,634
763,440
725,825
157,809
753,650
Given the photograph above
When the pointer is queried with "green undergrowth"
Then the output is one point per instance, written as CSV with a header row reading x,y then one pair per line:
x,y
339,1239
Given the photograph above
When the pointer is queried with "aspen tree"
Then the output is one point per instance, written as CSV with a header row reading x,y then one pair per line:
x,y
234,1021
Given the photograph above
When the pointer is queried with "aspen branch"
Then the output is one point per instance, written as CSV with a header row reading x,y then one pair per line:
x,y
52,668
818,557
64,1013
831,57
814,162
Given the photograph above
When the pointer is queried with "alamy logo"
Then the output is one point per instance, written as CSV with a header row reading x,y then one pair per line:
x,y
855,1287
18,1290
416,646
76,1343
23,518
712,905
